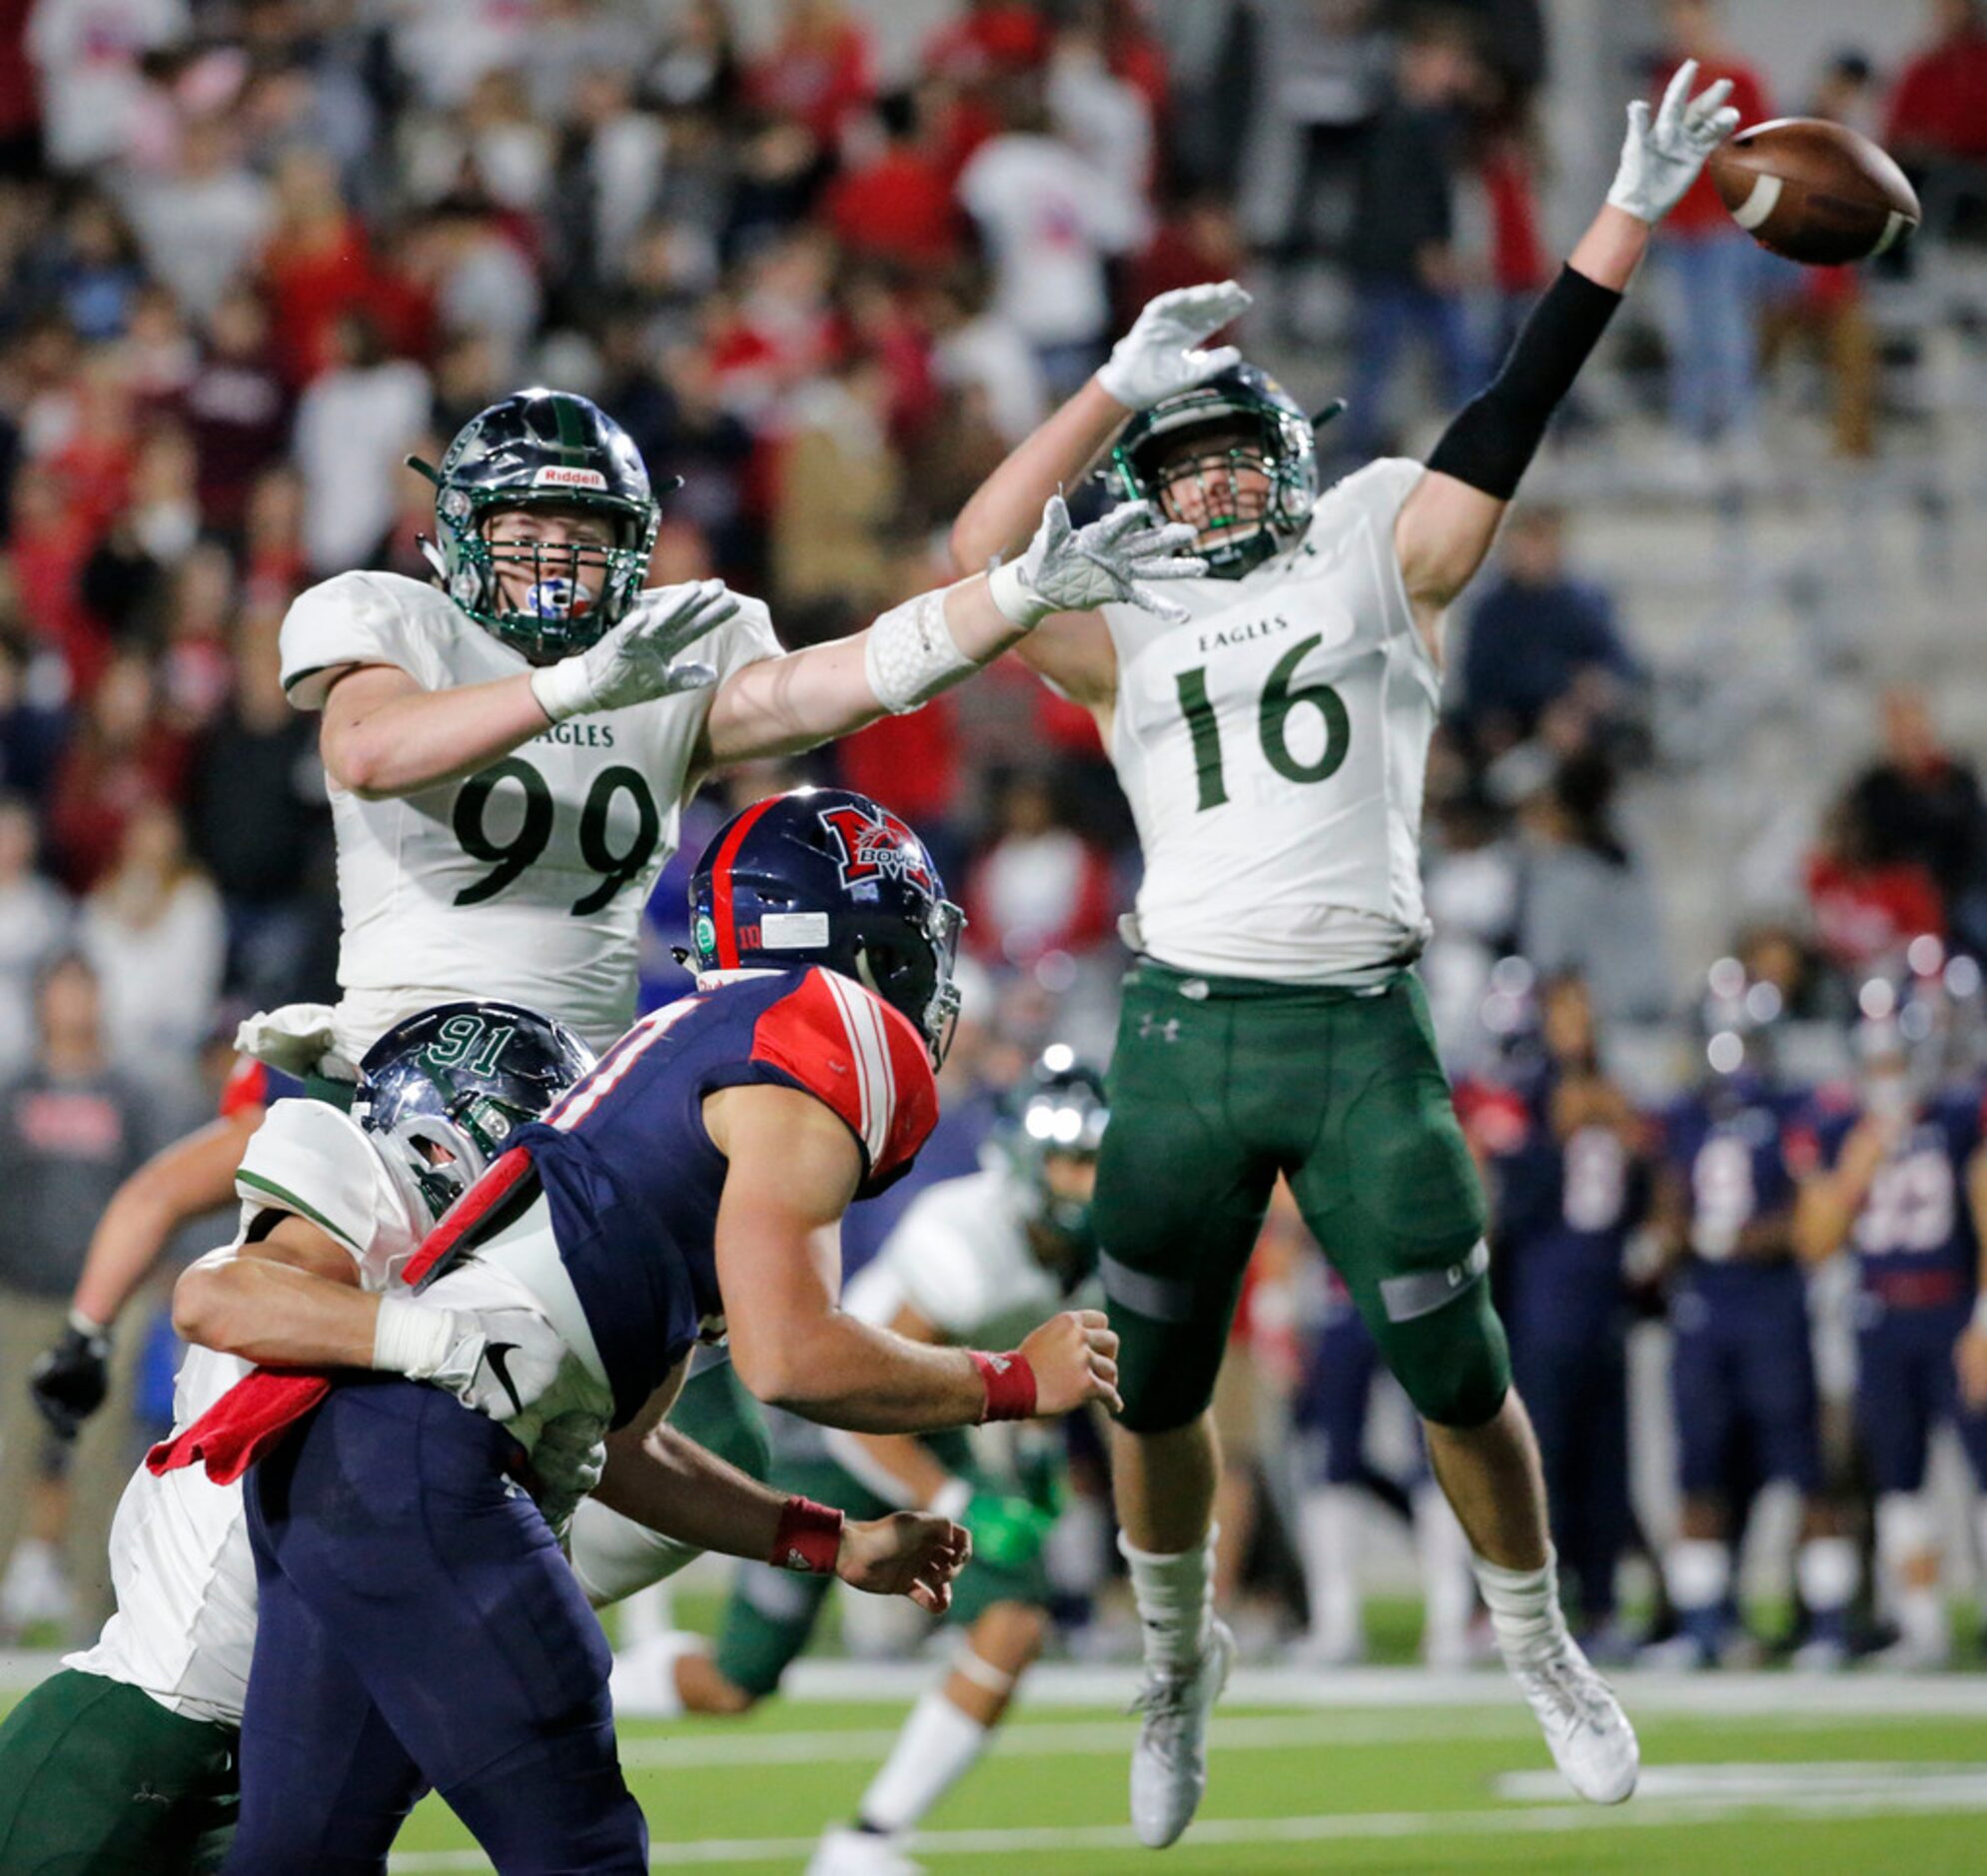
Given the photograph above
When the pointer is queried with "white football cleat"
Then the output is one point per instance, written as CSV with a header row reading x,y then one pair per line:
x,y
1170,1761
846,1851
1592,1743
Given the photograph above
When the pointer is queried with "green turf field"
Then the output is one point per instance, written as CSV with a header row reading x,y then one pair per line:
x,y
1793,1780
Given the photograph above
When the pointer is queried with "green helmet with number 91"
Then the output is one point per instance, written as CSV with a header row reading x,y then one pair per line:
x,y
546,450
442,1091
1235,455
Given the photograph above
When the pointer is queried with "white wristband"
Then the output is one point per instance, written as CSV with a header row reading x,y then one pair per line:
x,y
950,1499
563,689
1980,1312
1014,600
411,1341
909,656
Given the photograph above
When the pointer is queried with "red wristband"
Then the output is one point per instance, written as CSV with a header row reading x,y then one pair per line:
x,y
1010,1386
809,1537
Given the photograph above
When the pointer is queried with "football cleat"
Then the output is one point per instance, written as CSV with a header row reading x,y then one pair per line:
x,y
1170,1761
1592,1743
846,1851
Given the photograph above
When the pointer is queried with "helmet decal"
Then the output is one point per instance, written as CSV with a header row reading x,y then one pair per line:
x,y
828,876
875,845
442,1091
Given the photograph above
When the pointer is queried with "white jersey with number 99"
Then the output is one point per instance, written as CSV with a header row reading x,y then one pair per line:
x,y
1273,750
525,881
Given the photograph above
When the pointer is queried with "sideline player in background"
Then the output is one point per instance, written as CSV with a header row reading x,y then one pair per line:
x,y
1741,1372
981,1261
1898,1174
1273,750
425,1629
1571,1161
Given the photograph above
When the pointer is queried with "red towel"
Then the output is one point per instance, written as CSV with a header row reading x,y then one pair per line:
x,y
244,1424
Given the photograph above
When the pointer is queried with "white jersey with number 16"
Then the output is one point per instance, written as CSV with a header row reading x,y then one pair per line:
x,y
1274,750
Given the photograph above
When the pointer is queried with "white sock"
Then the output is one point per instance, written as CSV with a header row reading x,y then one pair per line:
x,y
1524,1605
935,1749
1448,1594
1175,1597
1828,1571
1329,1520
1698,1571
645,1614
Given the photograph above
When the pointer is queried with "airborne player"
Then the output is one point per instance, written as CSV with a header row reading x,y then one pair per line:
x,y
1273,748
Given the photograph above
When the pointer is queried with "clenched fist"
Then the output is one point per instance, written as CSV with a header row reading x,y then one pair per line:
x,y
1075,1359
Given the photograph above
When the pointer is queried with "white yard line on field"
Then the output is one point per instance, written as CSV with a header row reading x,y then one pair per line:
x,y
1964,1791
1071,1684
673,1752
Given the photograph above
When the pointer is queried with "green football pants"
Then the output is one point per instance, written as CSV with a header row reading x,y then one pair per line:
x,y
1218,1085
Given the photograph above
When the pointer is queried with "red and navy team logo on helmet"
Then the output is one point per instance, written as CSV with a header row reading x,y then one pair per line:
x,y
828,876
874,844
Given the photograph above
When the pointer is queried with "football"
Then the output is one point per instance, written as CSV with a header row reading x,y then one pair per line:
x,y
1814,190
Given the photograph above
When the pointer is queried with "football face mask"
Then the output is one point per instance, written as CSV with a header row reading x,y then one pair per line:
x,y
1236,458
521,480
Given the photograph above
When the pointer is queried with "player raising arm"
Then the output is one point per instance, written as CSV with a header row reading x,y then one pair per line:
x,y
1274,751
510,749
692,1184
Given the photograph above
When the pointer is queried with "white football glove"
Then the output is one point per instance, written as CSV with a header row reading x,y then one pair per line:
x,y
299,1039
502,1363
1068,570
1162,353
636,660
1660,159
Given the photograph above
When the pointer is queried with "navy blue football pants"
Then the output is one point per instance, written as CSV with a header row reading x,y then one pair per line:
x,y
420,1627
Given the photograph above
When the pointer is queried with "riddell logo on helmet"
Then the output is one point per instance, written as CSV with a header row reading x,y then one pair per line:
x,y
554,477
876,848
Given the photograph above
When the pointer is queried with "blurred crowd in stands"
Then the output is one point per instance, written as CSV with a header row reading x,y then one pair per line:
x,y
252,253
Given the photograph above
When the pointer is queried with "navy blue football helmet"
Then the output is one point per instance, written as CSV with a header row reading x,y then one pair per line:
x,y
442,1091
828,876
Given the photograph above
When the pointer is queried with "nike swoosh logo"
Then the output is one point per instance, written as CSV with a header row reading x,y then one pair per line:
x,y
498,1355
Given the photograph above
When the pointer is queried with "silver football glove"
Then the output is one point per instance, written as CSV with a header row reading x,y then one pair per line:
x,y
1162,353
1660,158
1068,570
568,1458
636,661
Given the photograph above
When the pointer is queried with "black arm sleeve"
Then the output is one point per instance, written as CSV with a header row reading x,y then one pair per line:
x,y
1491,441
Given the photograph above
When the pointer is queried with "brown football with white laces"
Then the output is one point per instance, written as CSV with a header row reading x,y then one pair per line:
x,y
1814,190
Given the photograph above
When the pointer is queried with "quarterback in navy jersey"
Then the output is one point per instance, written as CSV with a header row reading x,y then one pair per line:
x,y
1569,1161
1742,1367
692,1184
1899,1177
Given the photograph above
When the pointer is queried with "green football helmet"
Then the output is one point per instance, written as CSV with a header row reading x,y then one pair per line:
x,y
1266,432
547,449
